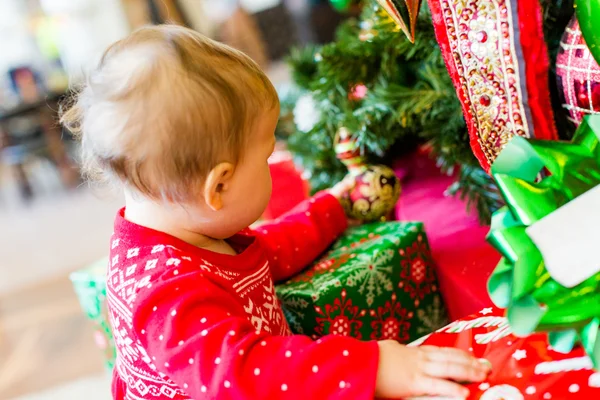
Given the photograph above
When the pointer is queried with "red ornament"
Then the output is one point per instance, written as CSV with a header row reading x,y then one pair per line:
x,y
358,92
578,75
376,187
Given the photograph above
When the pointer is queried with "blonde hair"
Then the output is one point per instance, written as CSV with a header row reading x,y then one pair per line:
x,y
164,106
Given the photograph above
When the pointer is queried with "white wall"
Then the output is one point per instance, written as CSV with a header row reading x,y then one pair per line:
x,y
205,15
87,28
16,45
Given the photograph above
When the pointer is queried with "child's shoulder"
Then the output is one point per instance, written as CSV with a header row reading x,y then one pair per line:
x,y
135,267
144,258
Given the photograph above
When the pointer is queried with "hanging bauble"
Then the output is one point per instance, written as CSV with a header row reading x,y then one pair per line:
x,y
404,13
578,75
376,187
357,92
341,5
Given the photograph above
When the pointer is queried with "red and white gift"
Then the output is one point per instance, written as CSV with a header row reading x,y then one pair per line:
x,y
523,368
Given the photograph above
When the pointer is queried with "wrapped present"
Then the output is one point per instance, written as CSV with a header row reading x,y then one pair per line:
x,y
522,367
90,286
549,277
376,282
464,259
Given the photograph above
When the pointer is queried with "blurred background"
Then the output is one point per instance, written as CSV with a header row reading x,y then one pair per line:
x,y
51,223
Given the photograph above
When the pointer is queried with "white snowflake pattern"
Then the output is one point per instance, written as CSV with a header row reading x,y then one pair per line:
x,y
271,304
371,273
486,311
257,317
432,317
294,309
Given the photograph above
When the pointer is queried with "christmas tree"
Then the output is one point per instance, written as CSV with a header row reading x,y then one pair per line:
x,y
392,95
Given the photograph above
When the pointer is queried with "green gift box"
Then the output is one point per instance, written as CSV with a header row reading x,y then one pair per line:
x,y
90,286
376,282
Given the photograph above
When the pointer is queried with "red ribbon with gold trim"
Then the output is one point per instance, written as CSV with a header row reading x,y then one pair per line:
x,y
496,55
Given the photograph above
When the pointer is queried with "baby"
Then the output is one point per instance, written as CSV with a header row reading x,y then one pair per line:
x,y
187,125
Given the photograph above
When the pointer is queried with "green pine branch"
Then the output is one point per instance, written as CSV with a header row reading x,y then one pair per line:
x,y
410,100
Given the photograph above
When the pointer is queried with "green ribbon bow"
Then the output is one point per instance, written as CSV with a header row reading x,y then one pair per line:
x,y
521,283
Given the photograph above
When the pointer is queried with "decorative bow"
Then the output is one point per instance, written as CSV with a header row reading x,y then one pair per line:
x,y
538,180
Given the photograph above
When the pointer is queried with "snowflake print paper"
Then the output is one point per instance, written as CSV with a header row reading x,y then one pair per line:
x,y
295,310
328,265
366,264
391,322
340,318
431,316
371,274
417,274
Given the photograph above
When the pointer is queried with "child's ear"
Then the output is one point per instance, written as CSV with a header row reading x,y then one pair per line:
x,y
217,182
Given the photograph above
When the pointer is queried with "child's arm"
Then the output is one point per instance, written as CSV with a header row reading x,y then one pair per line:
x,y
297,238
202,339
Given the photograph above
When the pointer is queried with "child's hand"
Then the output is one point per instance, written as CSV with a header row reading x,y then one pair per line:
x,y
418,371
342,187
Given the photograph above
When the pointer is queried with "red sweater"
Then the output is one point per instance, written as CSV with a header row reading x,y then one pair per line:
x,y
192,324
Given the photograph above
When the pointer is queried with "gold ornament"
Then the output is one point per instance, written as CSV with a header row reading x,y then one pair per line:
x,y
376,187
404,13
